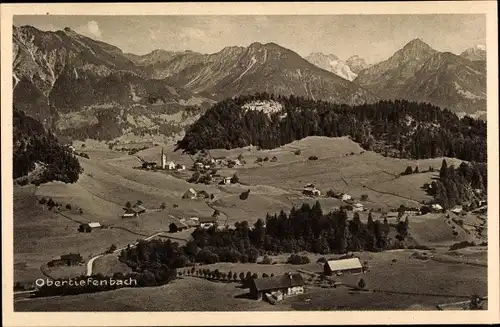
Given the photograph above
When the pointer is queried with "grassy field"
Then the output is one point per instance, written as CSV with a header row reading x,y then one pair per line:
x,y
414,283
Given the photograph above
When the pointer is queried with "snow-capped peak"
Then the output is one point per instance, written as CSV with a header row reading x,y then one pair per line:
x,y
480,47
332,64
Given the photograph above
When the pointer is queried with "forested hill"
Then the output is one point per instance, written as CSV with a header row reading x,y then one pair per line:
x,y
395,128
38,155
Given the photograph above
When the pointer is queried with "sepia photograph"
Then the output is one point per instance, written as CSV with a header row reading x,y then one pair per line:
x,y
198,159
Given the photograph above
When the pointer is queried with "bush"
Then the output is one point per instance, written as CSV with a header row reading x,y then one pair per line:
x,y
297,152
266,260
42,201
364,197
51,203
296,259
313,158
68,206
455,233
244,195
361,284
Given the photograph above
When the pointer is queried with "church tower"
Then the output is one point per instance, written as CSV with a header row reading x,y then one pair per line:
x,y
163,160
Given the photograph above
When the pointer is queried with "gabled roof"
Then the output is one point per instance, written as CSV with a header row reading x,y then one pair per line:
x,y
94,225
344,264
207,219
278,282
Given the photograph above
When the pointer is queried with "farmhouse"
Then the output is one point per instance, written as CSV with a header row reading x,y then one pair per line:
x,y
190,194
180,167
346,197
149,165
311,191
177,226
70,259
277,287
357,207
170,165
88,227
207,222
352,265
226,180
437,207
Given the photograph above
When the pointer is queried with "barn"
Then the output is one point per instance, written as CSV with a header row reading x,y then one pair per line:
x,y
277,286
352,265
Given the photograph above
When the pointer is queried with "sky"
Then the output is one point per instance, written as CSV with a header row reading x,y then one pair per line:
x,y
372,37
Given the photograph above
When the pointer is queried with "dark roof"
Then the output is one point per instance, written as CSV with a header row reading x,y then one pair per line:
x,y
179,224
278,282
207,219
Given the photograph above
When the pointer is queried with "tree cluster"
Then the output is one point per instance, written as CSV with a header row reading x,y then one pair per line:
x,y
33,144
409,129
464,185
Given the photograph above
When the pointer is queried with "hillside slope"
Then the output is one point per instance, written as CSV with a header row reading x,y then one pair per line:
x,y
402,129
37,156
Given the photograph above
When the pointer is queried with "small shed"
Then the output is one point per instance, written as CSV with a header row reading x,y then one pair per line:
x,y
279,286
226,180
190,194
352,265
129,215
88,227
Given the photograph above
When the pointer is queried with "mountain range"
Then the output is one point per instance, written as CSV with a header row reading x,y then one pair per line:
x,y
74,84
418,72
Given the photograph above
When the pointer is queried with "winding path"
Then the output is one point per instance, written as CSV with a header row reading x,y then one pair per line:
x,y
90,263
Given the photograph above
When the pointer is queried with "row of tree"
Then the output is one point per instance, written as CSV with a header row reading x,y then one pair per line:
x,y
303,229
410,129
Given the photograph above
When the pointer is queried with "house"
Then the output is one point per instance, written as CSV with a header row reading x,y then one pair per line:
x,y
311,191
226,180
309,185
338,267
190,194
207,222
149,165
346,197
180,167
193,221
88,227
70,259
177,226
138,208
170,165
457,209
277,287
357,207
437,207
198,165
